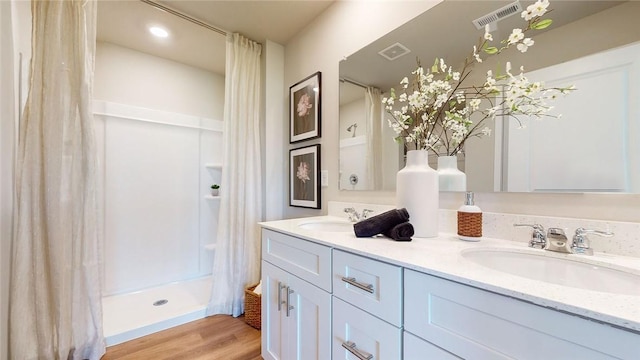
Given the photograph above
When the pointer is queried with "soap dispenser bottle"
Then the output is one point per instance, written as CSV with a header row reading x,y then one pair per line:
x,y
469,220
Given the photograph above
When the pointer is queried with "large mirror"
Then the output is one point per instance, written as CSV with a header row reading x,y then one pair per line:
x,y
593,147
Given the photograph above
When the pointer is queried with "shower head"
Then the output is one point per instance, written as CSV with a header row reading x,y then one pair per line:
x,y
353,127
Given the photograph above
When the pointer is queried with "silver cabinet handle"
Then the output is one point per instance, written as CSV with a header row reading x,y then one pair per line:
x,y
280,302
352,281
289,307
352,348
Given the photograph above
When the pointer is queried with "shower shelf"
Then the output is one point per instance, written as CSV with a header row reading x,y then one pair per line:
x,y
210,197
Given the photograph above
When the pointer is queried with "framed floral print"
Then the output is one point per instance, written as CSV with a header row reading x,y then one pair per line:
x,y
304,177
304,109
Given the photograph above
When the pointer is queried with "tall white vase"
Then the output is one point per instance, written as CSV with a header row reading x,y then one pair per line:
x,y
450,177
417,191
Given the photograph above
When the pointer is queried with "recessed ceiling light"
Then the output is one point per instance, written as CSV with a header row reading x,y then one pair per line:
x,y
159,32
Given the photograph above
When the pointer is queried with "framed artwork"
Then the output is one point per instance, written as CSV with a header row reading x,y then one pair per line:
x,y
304,177
304,109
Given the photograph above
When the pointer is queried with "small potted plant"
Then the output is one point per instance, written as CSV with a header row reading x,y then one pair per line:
x,y
215,189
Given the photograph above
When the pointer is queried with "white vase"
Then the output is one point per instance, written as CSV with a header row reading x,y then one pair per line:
x,y
450,177
417,191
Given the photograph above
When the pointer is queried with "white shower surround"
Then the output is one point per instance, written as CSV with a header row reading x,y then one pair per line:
x,y
157,219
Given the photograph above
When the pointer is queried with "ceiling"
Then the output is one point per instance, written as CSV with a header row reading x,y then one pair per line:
x,y
126,23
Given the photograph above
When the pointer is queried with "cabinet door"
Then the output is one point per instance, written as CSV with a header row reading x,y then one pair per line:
x,y
309,321
418,349
358,332
274,321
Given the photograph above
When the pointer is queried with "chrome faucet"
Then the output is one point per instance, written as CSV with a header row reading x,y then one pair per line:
x,y
581,243
354,216
556,240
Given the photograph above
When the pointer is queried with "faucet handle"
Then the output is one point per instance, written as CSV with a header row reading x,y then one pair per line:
x,y
538,237
352,213
366,212
581,243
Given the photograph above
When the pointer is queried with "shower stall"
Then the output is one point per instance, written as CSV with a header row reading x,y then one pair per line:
x,y
157,166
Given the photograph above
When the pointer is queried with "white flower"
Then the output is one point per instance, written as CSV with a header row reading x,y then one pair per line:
x,y
404,82
487,33
475,104
525,44
476,55
304,105
303,172
486,131
539,8
516,35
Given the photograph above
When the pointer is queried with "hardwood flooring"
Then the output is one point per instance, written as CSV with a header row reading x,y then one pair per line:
x,y
216,337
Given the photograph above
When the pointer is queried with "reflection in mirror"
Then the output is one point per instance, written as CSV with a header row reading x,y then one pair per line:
x,y
366,148
592,148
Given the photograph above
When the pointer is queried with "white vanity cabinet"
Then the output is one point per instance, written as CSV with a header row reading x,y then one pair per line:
x,y
367,308
322,301
296,299
477,324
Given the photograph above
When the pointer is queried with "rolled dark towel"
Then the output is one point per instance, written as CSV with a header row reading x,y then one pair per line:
x,y
377,224
400,232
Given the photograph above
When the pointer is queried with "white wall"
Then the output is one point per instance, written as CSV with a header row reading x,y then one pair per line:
x,y
275,103
130,77
157,219
323,44
344,28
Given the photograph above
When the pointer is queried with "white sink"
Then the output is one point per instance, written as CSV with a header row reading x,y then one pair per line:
x,y
327,226
572,272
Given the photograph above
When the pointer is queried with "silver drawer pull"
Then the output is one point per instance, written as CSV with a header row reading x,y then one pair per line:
x,y
352,348
280,301
352,281
289,307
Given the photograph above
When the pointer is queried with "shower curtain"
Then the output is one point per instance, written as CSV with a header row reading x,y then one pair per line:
x,y
55,306
373,123
237,258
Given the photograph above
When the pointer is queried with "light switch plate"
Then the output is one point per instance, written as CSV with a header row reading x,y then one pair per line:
x,y
324,178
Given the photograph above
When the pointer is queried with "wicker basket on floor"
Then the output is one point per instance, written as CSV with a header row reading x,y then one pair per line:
x,y
252,307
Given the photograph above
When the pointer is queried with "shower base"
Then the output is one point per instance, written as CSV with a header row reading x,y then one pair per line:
x,y
132,315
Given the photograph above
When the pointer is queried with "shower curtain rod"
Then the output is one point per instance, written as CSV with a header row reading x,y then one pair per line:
x,y
354,82
184,16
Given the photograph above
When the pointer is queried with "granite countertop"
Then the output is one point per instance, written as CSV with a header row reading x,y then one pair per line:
x,y
442,257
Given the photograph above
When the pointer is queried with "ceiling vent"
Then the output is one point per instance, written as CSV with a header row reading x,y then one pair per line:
x,y
497,15
394,51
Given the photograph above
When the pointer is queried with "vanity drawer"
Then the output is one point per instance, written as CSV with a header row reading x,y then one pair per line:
x,y
478,324
367,335
304,259
371,285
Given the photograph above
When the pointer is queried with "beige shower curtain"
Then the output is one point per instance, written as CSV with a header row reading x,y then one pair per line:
x,y
55,306
237,259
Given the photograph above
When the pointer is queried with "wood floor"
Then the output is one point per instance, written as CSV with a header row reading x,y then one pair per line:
x,y
217,337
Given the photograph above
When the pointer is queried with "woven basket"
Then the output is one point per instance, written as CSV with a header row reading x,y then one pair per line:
x,y
470,224
252,307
